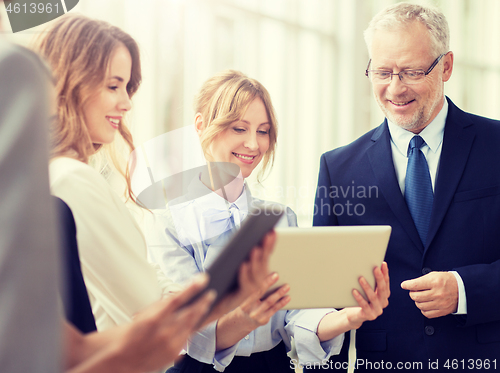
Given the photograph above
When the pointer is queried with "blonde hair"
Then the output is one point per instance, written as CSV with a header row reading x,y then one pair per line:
x,y
224,99
78,50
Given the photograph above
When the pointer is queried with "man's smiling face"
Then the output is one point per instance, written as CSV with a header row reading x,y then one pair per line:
x,y
411,107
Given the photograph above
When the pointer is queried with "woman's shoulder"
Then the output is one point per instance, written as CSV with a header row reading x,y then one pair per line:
x,y
66,167
70,178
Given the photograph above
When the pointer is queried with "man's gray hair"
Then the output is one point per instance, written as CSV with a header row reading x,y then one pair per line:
x,y
402,14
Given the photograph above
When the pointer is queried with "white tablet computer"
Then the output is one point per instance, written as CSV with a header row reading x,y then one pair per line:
x,y
323,264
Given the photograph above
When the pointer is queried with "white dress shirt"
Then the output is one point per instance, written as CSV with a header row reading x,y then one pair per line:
x,y
433,136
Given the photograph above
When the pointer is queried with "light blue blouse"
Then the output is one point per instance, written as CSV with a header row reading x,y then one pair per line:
x,y
185,239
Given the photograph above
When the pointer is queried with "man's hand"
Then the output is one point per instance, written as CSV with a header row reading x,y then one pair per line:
x,y
435,294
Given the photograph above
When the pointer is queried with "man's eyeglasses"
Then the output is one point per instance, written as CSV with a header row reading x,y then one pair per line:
x,y
406,76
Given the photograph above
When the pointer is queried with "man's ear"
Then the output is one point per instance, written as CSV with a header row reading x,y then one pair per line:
x,y
199,124
447,66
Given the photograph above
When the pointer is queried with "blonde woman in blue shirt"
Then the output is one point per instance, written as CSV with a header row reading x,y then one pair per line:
x,y
96,71
236,124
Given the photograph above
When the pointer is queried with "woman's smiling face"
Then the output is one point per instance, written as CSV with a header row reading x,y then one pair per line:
x,y
245,141
104,111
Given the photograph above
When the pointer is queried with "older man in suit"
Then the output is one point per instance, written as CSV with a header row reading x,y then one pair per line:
x,y
432,172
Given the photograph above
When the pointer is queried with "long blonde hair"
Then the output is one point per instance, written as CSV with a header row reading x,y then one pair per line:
x,y
78,50
224,99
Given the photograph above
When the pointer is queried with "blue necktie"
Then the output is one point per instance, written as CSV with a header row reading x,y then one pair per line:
x,y
418,187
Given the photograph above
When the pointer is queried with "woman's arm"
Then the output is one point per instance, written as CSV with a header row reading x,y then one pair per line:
x,y
177,261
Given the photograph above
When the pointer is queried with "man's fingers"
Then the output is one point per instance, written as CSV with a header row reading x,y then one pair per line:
x,y
409,285
428,281
419,283
421,296
431,311
433,314
427,306
436,291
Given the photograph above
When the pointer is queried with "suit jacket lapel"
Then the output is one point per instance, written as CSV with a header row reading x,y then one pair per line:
x,y
380,156
459,135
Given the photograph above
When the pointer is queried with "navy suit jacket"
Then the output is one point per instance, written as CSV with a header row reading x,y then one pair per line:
x,y
357,186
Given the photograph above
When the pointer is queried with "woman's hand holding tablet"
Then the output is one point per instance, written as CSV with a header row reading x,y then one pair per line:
x,y
349,318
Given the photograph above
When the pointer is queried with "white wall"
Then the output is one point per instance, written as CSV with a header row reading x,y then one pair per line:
x,y
310,55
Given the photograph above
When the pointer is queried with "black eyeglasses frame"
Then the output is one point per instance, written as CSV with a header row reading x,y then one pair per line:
x,y
436,61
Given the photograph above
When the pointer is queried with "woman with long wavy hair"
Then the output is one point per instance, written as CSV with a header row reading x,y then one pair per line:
x,y
97,70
